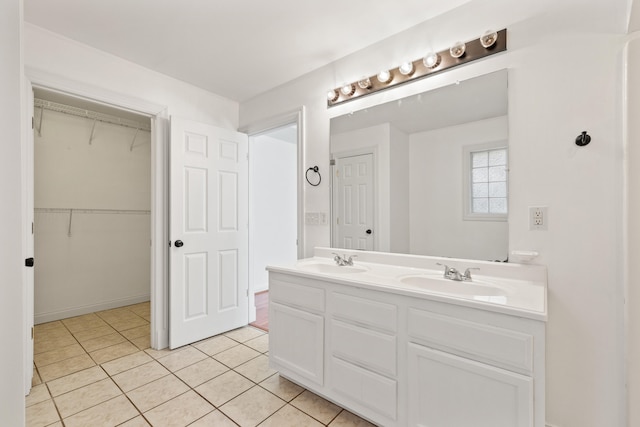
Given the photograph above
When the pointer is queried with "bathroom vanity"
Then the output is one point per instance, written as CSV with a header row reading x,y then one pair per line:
x,y
391,339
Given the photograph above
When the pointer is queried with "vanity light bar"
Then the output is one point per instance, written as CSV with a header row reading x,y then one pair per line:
x,y
432,63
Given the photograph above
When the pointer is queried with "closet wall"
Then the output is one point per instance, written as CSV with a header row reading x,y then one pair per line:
x,y
92,219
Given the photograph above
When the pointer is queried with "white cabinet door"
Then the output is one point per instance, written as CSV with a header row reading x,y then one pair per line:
x,y
296,342
208,225
450,391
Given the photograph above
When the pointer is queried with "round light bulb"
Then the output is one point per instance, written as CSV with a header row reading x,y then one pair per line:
x,y
385,76
457,50
432,60
332,95
406,68
488,39
348,90
364,83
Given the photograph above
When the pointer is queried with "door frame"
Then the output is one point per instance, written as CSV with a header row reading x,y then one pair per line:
x,y
261,126
159,185
376,197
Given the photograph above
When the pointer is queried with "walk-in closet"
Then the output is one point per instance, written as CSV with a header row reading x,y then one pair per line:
x,y
92,192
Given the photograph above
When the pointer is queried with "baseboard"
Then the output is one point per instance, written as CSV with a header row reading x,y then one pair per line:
x,y
79,311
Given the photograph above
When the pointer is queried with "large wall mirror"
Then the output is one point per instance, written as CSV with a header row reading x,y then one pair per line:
x,y
427,174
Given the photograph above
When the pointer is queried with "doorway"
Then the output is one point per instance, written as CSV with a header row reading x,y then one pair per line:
x,y
273,209
92,207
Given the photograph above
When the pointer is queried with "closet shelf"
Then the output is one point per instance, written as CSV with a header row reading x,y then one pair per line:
x,y
72,211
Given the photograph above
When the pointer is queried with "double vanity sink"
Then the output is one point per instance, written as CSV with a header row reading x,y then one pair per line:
x,y
393,340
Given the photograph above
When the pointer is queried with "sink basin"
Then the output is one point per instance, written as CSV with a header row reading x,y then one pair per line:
x,y
318,267
451,287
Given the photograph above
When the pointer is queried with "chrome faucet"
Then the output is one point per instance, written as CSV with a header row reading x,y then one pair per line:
x,y
452,273
343,260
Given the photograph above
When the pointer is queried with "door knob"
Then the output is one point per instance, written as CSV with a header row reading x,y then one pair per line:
x,y
179,243
369,231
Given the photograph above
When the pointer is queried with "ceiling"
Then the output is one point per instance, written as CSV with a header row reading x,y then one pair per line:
x,y
219,45
468,101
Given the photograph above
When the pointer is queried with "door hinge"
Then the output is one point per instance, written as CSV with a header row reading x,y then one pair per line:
x,y
332,162
32,228
33,123
247,292
32,332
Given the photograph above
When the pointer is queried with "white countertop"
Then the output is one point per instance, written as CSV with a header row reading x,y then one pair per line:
x,y
514,289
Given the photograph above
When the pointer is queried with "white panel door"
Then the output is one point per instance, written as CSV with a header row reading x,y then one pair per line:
x,y
209,234
354,205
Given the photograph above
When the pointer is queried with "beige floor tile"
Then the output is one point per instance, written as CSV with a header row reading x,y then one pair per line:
x,y
103,342
157,354
82,323
42,414
201,372
157,392
289,416
180,411
142,343
65,367
282,387
135,422
215,345
56,424
127,362
35,379
146,317
347,419
38,394
139,331
143,308
140,375
215,418
259,344
314,405
90,334
110,413
83,398
244,334
49,326
124,324
252,407
114,352
256,369
76,380
182,359
224,387
236,356
45,344
60,354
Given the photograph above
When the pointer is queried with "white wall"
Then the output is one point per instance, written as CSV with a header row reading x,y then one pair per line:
x,y
437,180
56,55
11,252
273,208
633,230
105,262
564,77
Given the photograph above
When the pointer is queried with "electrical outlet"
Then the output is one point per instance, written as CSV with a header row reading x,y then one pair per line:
x,y
538,218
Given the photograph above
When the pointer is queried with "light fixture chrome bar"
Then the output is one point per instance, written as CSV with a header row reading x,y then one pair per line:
x,y
439,62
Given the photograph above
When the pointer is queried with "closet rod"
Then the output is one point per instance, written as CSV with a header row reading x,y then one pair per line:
x,y
88,114
93,211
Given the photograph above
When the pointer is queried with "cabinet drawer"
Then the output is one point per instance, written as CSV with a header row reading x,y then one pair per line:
x,y
377,314
297,295
365,387
364,347
486,343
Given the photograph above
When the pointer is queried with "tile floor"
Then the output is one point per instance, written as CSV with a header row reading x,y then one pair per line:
x,y
98,370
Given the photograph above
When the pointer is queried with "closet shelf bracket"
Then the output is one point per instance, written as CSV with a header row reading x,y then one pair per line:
x,y
93,129
40,121
70,219
134,139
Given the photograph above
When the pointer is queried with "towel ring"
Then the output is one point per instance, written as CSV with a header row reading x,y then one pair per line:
x,y
316,170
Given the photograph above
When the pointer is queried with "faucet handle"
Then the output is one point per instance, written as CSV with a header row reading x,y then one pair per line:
x,y
447,269
350,260
467,273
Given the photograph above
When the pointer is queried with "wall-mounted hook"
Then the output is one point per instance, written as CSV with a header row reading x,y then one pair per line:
x,y
583,139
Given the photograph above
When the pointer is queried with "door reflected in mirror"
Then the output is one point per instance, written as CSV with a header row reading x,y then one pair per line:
x,y
427,174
